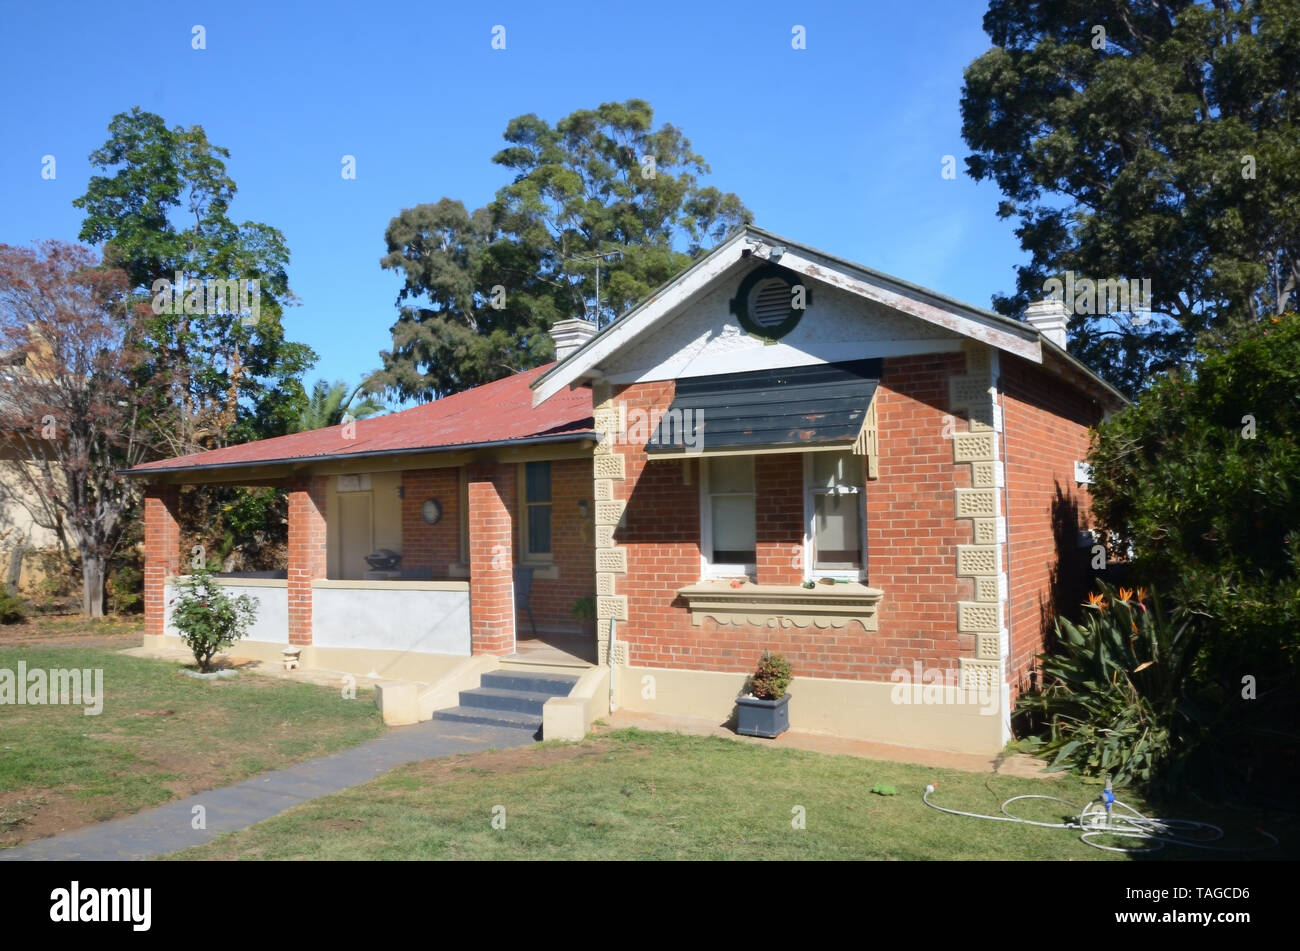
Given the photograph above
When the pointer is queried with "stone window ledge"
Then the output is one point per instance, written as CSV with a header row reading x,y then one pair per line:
x,y
770,605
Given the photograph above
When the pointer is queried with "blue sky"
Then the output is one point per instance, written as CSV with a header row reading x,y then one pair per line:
x,y
839,145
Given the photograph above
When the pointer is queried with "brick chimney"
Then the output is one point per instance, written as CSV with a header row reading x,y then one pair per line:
x,y
569,335
1049,317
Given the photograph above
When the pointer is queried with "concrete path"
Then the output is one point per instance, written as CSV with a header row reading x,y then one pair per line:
x,y
169,828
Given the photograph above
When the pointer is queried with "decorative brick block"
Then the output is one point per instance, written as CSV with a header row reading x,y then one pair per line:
x,y
605,421
968,391
986,646
610,513
611,559
979,674
986,531
609,466
977,503
981,417
977,361
986,588
620,650
977,560
605,584
977,617
972,447
614,606
604,487
983,475
604,536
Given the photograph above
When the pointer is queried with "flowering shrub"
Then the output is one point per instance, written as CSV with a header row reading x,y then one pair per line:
x,y
772,677
207,618
1118,698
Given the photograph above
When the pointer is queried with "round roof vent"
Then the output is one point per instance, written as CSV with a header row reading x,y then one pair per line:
x,y
765,301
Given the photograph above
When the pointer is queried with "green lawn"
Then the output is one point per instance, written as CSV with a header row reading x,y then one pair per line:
x,y
160,736
638,795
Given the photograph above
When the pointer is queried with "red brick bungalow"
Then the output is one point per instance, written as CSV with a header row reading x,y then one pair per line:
x,y
773,416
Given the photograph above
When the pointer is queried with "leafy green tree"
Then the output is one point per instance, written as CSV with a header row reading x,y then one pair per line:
x,y
601,189
329,403
1145,140
161,209
1201,477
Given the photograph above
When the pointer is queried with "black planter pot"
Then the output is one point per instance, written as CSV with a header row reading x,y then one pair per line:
x,y
769,718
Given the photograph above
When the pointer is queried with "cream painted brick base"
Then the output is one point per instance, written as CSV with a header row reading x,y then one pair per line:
x,y
849,708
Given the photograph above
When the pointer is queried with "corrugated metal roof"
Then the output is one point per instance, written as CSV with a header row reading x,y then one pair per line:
x,y
486,415
796,407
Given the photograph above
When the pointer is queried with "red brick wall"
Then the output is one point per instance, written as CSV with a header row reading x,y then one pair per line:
x,y
427,548
307,551
573,549
912,532
778,518
492,495
162,551
1046,429
911,539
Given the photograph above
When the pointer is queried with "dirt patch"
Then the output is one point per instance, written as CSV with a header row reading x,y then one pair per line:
x,y
29,814
72,631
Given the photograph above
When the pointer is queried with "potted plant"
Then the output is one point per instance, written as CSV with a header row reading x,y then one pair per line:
x,y
765,710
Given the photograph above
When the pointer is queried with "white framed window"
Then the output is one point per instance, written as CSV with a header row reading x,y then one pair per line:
x,y
835,516
728,540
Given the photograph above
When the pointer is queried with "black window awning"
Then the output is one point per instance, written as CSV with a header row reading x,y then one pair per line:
x,y
812,407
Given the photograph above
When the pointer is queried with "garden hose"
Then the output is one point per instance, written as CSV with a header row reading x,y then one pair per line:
x,y
1108,816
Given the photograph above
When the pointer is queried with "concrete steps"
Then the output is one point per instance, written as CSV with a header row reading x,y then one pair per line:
x,y
509,698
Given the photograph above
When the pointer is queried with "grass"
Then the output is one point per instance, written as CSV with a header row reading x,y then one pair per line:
x,y
636,795
160,736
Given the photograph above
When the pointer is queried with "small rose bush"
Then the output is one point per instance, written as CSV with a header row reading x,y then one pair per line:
x,y
207,618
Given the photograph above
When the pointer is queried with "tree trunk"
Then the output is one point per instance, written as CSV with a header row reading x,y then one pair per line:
x,y
92,585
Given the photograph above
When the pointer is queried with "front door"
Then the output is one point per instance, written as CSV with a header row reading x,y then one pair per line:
x,y
356,533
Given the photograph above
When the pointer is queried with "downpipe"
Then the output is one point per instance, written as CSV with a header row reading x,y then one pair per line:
x,y
609,658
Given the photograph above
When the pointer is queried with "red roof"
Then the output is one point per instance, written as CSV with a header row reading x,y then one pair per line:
x,y
493,413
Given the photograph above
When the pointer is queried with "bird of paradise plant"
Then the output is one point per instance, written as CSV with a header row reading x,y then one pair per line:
x,y
1116,692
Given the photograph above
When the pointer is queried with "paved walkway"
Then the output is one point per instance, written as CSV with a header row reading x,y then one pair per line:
x,y
168,828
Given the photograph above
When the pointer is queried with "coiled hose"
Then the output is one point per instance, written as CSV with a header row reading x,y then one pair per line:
x,y
1098,819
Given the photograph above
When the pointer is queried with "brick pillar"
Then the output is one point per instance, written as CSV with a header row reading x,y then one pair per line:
x,y
778,517
492,494
306,551
162,551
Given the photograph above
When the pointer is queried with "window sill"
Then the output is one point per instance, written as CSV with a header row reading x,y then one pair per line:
x,y
770,605
542,571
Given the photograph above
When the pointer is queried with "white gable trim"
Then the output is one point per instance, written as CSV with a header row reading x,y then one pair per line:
x,y
664,304
649,312
915,305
